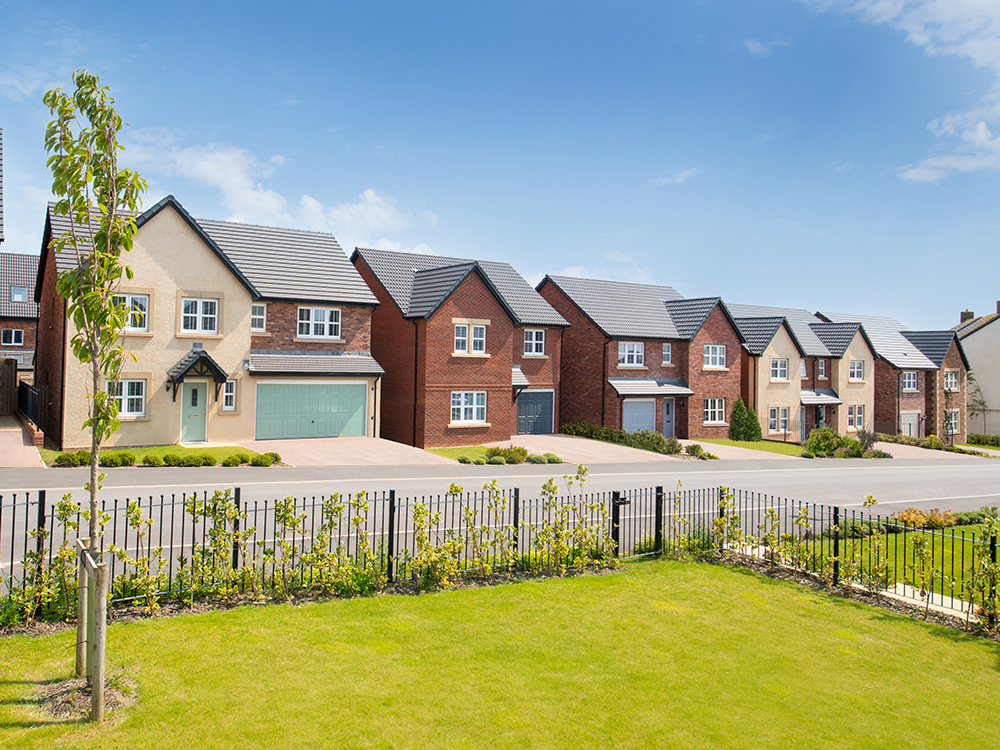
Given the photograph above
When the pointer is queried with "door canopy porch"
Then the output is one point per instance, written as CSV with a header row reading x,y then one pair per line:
x,y
196,364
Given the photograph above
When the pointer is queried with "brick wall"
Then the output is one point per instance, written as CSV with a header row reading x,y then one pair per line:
x,y
51,353
282,327
392,344
30,332
713,383
936,402
886,411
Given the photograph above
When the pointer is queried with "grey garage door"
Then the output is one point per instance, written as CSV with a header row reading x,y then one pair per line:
x,y
638,415
909,424
534,413
289,410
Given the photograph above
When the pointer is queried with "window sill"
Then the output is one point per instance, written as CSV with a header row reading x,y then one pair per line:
x,y
469,354
196,335
854,380
822,377
715,424
780,380
313,339
137,334
632,367
11,344
461,425
534,356
123,418
910,390
667,364
715,369
228,412
259,333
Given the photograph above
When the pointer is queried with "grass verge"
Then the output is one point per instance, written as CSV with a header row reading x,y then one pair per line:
x,y
220,452
768,446
472,451
661,655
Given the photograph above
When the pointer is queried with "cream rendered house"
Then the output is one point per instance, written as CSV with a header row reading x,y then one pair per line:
x,y
236,332
772,373
852,375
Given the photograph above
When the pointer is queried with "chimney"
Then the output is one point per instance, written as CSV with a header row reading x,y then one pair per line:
x,y
998,307
969,315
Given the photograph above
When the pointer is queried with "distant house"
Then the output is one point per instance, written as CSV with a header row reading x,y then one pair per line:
x,y
980,339
641,357
18,311
471,351
238,331
920,378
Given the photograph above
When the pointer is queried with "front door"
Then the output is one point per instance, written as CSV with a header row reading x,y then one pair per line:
x,y
821,416
802,424
668,417
193,410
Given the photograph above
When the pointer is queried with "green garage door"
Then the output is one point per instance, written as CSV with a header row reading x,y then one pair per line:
x,y
290,410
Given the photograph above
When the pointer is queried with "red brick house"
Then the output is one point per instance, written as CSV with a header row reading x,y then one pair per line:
x,y
18,311
638,356
471,351
920,378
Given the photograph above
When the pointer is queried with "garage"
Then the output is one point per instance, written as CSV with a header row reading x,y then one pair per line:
x,y
310,410
909,424
534,412
638,414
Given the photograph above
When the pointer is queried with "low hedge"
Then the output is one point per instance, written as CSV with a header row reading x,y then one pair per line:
x,y
932,442
990,441
644,439
112,458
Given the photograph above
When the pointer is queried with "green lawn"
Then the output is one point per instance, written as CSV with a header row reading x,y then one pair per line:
x,y
220,452
473,452
660,655
768,446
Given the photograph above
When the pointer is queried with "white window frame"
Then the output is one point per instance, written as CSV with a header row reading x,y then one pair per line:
x,y
132,322
206,309
130,395
24,294
857,370
951,422
772,419
668,354
951,375
715,411
461,338
802,370
783,423
631,354
478,339
909,381
16,337
256,307
468,407
779,368
859,417
821,369
229,395
534,341
318,322
850,417
715,356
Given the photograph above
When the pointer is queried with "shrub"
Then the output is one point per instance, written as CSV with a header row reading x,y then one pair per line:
x,y
231,461
822,440
919,519
534,458
552,458
172,459
694,450
672,446
260,460
866,439
275,457
109,459
192,459
852,445
496,460
876,453
127,458
465,459
706,456
67,459
976,438
152,461
807,454
934,442
207,459
737,422
480,461
512,455
969,517
644,439
843,452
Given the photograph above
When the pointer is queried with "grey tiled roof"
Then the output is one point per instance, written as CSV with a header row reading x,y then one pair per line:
x,y
820,396
650,386
971,326
17,269
836,336
622,309
886,339
397,271
334,364
759,332
689,315
935,344
518,378
1,185
798,320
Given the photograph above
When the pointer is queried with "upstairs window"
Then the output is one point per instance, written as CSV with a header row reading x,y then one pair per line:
x,y
951,380
668,354
19,294
258,317
319,323
821,368
199,315
857,371
138,307
479,339
12,337
631,353
715,356
779,369
802,369
909,381
461,338
534,342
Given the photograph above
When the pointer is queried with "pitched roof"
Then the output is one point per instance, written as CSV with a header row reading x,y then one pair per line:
x,y
689,315
836,337
798,321
818,396
17,269
199,360
886,339
278,362
1,185
935,345
620,308
971,326
517,378
418,284
650,386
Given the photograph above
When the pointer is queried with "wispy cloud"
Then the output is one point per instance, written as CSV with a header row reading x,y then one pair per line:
x,y
22,84
762,48
965,28
847,166
677,176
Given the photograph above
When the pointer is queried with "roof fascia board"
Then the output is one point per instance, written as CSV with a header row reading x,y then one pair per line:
x,y
43,255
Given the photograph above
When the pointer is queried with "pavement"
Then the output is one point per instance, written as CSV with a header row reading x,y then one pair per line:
x,y
347,451
16,448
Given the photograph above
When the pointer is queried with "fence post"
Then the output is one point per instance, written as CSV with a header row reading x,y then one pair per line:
x,y
836,546
390,555
236,529
615,518
658,532
40,540
517,520
992,619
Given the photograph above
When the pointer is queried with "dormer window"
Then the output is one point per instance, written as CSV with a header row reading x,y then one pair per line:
x,y
19,294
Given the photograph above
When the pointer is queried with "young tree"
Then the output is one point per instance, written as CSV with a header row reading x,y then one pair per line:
x,y
975,401
100,199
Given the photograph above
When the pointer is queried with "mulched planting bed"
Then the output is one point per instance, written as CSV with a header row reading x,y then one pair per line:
x,y
70,699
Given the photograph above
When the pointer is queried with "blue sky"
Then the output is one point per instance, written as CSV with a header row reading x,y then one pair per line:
x,y
826,154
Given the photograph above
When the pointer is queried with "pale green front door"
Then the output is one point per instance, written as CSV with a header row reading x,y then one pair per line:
x,y
193,410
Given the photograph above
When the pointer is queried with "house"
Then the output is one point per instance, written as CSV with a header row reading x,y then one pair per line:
x,y
18,311
915,394
980,340
237,332
471,351
640,356
804,372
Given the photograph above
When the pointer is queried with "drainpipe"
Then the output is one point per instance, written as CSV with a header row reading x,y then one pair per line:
x,y
375,400
604,378
559,383
899,403
415,349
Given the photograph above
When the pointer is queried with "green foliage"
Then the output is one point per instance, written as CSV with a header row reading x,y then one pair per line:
x,y
464,459
930,519
73,458
152,460
931,442
644,439
512,455
275,457
534,458
480,461
206,459
807,454
976,438
146,578
262,459
231,461
552,458
693,449
116,458
496,460
822,441
752,429
172,459
743,424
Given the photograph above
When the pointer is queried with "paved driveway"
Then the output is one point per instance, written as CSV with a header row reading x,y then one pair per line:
x,y
346,451
578,450
16,449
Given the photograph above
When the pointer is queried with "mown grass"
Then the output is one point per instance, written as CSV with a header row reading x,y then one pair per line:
x,y
220,452
660,655
473,452
768,446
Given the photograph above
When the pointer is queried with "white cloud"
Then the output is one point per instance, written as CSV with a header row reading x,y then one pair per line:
x,y
677,176
847,166
966,28
22,84
762,48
